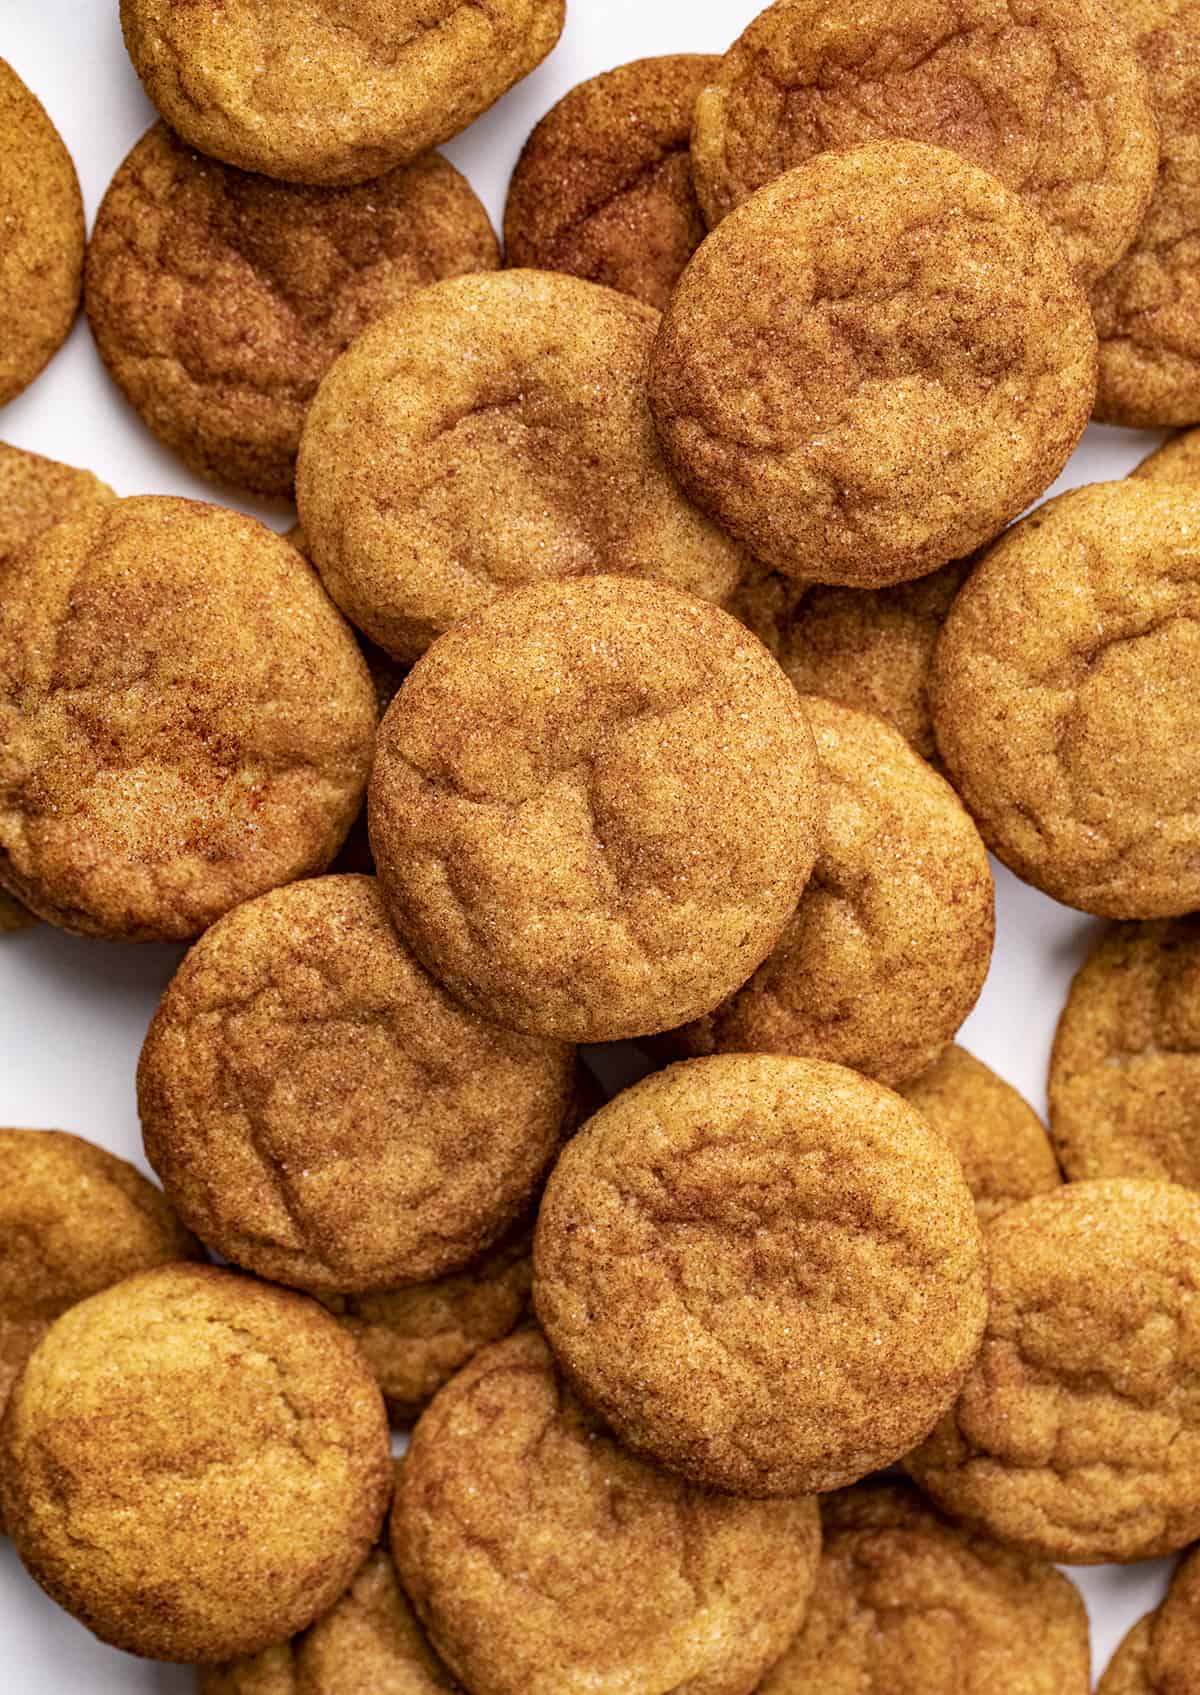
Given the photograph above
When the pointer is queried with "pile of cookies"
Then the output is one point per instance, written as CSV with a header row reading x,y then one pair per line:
x,y
659,652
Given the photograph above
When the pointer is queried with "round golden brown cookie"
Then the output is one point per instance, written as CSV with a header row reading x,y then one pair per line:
x,y
869,648
766,1273
1161,1654
887,951
491,431
331,91
1077,1433
73,1220
873,365
219,299
594,807
41,259
36,493
905,1603
185,720
417,1338
1125,1068
1046,95
1148,307
1177,461
1128,1671
1006,1154
542,1556
321,1112
195,1464
1064,698
603,187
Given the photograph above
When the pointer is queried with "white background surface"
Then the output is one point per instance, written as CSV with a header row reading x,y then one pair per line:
x,y
73,1012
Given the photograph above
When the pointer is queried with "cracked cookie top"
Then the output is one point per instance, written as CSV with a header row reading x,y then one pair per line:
x,y
195,1464
331,91
491,431
1077,1433
542,1556
1064,698
219,299
887,951
766,1273
323,1113
1176,461
873,365
603,187
906,1603
185,719
594,807
1046,95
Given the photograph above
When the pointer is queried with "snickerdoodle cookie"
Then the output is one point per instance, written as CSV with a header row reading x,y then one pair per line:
x,y
195,1464
490,431
1148,307
873,365
1077,1433
331,91
1046,95
870,648
1177,461
1065,704
41,256
36,493
767,1273
603,187
1161,1654
1125,1070
594,807
542,1556
906,1603
185,719
1006,1154
219,299
887,951
320,1111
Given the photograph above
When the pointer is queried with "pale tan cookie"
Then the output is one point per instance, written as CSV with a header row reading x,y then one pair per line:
x,y
870,648
219,299
1006,1154
331,91
320,1111
1177,461
1128,1672
1077,1433
36,493
41,256
185,719
888,949
873,365
542,1557
195,1464
492,431
1161,1654
594,807
1046,95
908,1604
1065,704
1148,307
603,187
766,1273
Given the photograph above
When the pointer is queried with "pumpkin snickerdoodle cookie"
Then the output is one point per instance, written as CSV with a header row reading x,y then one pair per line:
x,y
594,807
766,1273
36,493
491,431
1077,1432
320,1110
41,257
603,187
873,365
888,949
164,753
1064,698
1176,461
1161,1654
1046,95
218,299
906,1603
195,1464
331,91
542,1556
